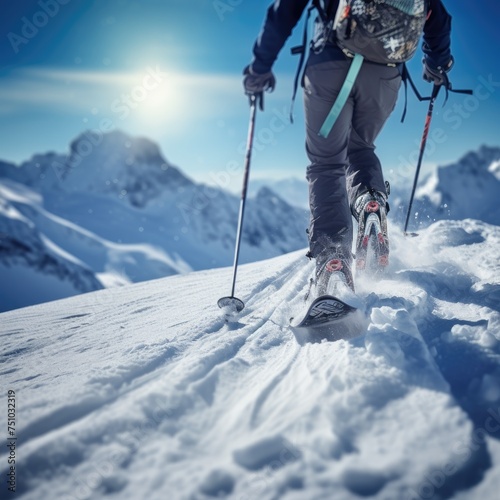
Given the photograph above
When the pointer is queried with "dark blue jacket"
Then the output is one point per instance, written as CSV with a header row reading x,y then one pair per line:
x,y
283,15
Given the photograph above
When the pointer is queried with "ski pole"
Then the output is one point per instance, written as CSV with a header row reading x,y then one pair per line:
x,y
231,301
435,92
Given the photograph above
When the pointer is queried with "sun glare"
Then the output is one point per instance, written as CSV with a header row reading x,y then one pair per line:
x,y
152,95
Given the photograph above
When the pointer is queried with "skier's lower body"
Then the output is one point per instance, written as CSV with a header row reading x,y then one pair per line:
x,y
345,175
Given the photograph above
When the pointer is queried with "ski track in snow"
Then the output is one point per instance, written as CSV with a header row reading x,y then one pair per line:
x,y
146,392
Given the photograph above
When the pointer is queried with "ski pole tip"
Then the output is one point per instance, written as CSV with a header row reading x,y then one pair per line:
x,y
231,305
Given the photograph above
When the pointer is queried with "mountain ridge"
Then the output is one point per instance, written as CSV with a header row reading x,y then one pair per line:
x,y
466,188
138,216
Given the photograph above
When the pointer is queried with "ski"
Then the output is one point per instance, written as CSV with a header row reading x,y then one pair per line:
x,y
372,244
328,318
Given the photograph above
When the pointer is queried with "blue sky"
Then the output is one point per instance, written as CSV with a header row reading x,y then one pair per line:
x,y
171,70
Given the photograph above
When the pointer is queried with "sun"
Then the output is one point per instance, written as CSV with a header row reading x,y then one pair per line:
x,y
158,98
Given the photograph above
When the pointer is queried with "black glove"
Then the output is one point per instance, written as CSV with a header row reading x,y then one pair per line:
x,y
255,83
438,75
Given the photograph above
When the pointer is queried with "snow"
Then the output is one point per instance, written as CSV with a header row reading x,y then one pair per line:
x,y
494,168
144,391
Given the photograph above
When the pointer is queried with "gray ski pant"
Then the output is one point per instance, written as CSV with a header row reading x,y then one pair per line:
x,y
344,165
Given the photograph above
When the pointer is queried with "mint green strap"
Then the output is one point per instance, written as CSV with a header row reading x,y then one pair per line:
x,y
342,97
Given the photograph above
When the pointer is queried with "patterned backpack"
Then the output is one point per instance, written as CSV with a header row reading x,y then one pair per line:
x,y
382,31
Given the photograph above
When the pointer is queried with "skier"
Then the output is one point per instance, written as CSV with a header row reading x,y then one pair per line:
x,y
344,175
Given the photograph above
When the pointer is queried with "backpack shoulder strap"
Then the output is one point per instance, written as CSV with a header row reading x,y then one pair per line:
x,y
300,49
324,8
325,11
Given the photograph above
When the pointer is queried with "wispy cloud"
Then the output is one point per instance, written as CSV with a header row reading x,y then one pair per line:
x,y
80,91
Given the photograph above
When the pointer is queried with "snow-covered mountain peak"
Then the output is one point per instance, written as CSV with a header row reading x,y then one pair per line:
x,y
292,190
476,162
268,196
41,171
467,188
115,148
117,164
129,169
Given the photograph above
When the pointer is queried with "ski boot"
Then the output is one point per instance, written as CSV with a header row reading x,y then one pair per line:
x,y
372,242
333,272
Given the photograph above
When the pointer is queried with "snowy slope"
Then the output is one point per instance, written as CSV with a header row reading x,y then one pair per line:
x,y
145,392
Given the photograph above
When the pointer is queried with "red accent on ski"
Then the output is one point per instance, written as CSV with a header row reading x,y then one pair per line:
x,y
334,265
383,260
371,207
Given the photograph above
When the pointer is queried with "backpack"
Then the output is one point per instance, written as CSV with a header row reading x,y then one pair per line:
x,y
382,31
